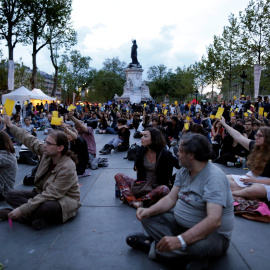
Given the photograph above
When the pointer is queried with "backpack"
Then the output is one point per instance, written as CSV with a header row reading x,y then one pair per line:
x,y
132,151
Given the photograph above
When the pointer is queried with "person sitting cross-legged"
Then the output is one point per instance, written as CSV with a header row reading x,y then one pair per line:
x,y
154,166
121,143
195,220
56,196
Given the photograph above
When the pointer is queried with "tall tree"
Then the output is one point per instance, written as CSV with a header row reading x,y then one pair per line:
x,y
110,79
60,37
255,34
11,18
75,73
42,17
230,66
160,81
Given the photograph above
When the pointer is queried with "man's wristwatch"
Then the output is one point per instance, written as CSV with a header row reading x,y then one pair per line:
x,y
183,243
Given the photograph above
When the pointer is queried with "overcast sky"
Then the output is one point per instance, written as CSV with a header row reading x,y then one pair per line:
x,y
172,32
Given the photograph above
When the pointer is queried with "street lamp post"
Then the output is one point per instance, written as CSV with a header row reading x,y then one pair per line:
x,y
196,94
243,81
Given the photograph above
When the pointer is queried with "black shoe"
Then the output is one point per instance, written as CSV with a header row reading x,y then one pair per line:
x,y
105,147
108,150
139,241
31,161
4,213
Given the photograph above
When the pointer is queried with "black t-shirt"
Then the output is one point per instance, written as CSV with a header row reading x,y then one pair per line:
x,y
266,171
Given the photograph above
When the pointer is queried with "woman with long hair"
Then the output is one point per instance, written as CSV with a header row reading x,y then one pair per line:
x,y
256,183
8,165
154,166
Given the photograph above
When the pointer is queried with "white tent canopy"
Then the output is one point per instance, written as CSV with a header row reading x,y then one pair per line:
x,y
42,96
21,94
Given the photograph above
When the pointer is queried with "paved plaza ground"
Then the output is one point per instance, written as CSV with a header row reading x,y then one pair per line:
x,y
95,238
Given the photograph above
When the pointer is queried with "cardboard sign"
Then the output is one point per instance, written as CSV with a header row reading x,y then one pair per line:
x,y
56,121
55,113
71,107
261,109
186,125
219,112
9,105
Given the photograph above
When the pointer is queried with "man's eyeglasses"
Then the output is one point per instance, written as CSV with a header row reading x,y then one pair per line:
x,y
48,143
258,136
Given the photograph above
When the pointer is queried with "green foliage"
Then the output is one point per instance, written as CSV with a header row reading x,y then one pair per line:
x,y
109,80
43,24
22,75
75,73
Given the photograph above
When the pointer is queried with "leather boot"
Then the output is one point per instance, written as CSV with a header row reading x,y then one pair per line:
x,y
104,148
108,150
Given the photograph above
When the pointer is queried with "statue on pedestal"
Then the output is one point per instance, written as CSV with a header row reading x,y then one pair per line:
x,y
134,58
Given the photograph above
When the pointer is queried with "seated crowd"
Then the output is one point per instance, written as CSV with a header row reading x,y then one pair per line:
x,y
188,215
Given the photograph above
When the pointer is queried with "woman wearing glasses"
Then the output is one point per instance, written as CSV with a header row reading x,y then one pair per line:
x,y
256,183
56,196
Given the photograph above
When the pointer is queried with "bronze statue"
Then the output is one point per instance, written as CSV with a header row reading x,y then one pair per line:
x,y
134,58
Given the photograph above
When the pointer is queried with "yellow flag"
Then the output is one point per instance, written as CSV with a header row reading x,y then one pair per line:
x,y
188,118
249,111
265,114
234,97
212,116
165,112
9,105
232,114
175,103
246,114
186,125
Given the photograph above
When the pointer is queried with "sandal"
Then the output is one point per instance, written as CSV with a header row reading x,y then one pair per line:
x,y
139,241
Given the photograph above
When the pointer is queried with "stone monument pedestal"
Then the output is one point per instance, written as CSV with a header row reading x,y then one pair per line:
x,y
135,90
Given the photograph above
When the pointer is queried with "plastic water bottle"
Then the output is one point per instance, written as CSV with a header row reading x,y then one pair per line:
x,y
238,164
244,163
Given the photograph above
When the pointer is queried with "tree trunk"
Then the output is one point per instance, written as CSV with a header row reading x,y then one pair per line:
x,y
33,78
55,80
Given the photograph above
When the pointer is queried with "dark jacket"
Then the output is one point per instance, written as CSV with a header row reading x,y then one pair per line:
x,y
124,135
164,168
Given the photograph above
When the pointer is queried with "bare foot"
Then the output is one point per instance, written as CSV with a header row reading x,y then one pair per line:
x,y
137,204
